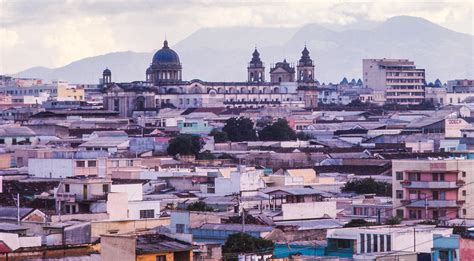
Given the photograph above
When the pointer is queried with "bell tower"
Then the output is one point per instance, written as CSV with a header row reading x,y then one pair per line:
x,y
305,68
256,68
106,76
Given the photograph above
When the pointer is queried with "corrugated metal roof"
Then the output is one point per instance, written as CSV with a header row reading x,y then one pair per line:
x,y
237,227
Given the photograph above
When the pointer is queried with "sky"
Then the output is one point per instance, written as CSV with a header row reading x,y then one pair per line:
x,y
53,33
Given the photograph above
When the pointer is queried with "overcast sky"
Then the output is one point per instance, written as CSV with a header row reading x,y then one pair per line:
x,y
53,33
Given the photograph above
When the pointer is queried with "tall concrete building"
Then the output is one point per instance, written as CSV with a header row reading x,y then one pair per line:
x,y
398,79
439,189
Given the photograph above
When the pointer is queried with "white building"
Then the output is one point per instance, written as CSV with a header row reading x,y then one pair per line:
x,y
243,180
382,239
401,81
125,201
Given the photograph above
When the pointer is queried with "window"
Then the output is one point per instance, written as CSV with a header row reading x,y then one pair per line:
x,y
369,243
160,258
362,243
399,194
389,243
92,163
399,213
105,188
464,211
147,213
463,174
438,176
116,105
179,228
115,163
80,164
382,243
414,176
399,175
376,246
66,188
129,163
344,244
464,193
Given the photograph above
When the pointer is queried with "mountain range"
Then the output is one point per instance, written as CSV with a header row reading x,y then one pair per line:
x,y
222,54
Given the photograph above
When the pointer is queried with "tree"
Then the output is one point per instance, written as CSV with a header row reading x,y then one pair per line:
x,y
344,81
240,129
303,136
244,243
199,206
438,83
278,131
356,103
219,136
359,223
359,82
393,221
205,155
263,122
368,186
353,82
185,144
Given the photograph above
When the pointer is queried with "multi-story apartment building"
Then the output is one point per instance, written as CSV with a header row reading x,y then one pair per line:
x,y
70,93
433,188
401,81
461,86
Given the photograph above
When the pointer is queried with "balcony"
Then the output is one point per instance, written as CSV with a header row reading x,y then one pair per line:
x,y
95,197
430,184
251,102
66,197
434,204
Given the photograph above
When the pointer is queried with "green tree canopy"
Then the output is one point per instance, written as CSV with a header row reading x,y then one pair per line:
x,y
240,129
185,144
278,131
359,223
245,243
199,206
219,136
368,186
303,136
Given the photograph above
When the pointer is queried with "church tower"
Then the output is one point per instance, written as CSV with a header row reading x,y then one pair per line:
x,y
305,68
256,69
106,76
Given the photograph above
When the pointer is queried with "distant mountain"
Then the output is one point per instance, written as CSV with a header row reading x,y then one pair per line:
x,y
222,54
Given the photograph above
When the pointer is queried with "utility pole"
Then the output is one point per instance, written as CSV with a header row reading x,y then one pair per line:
x,y
18,208
243,212
414,239
426,207
379,221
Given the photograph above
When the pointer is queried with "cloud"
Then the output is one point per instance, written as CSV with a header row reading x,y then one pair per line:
x,y
78,38
53,32
9,38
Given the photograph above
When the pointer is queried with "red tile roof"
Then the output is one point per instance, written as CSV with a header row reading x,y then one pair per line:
x,y
4,248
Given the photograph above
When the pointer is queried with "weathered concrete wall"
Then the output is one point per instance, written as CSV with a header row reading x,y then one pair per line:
x,y
114,248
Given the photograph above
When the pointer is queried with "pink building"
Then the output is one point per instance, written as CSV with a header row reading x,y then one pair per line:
x,y
432,189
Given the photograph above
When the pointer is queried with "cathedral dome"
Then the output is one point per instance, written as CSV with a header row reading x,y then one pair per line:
x,y
166,56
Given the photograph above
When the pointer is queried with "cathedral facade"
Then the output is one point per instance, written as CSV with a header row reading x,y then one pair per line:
x,y
164,86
